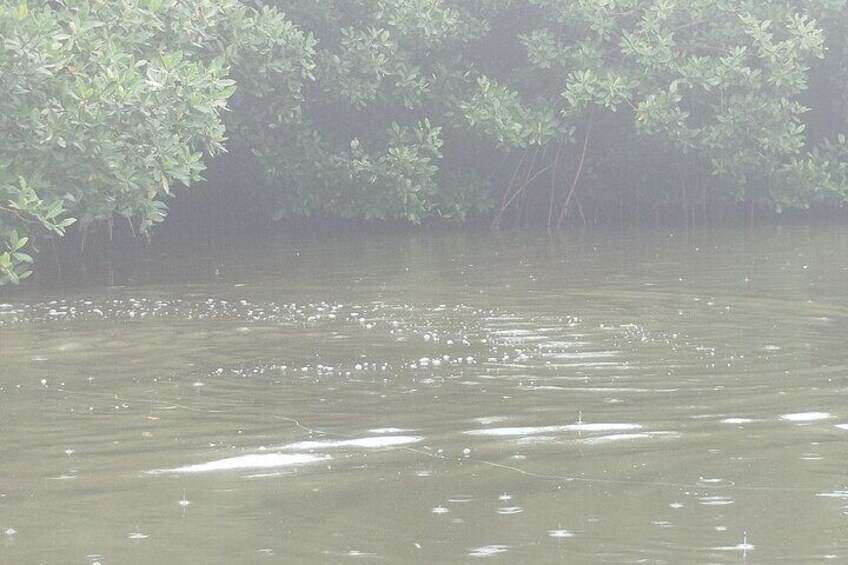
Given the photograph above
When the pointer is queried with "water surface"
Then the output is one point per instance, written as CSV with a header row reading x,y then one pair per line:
x,y
648,397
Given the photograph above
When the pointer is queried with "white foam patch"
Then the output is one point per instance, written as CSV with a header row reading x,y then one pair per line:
x,y
267,475
716,500
806,416
613,437
488,550
843,494
537,440
365,442
519,431
842,426
603,427
587,388
737,421
489,420
254,461
357,553
585,355
389,430
511,333
516,431
743,547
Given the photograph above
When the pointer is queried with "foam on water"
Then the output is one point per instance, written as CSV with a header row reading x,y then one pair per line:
x,y
516,431
365,442
806,416
602,427
613,437
744,547
584,355
535,430
737,421
842,494
253,461
275,459
489,420
488,550
716,500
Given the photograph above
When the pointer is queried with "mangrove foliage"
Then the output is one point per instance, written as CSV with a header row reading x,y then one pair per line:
x,y
531,112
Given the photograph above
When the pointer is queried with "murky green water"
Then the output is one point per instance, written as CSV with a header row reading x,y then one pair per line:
x,y
601,398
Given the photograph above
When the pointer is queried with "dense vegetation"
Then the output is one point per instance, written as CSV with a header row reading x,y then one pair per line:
x,y
533,111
